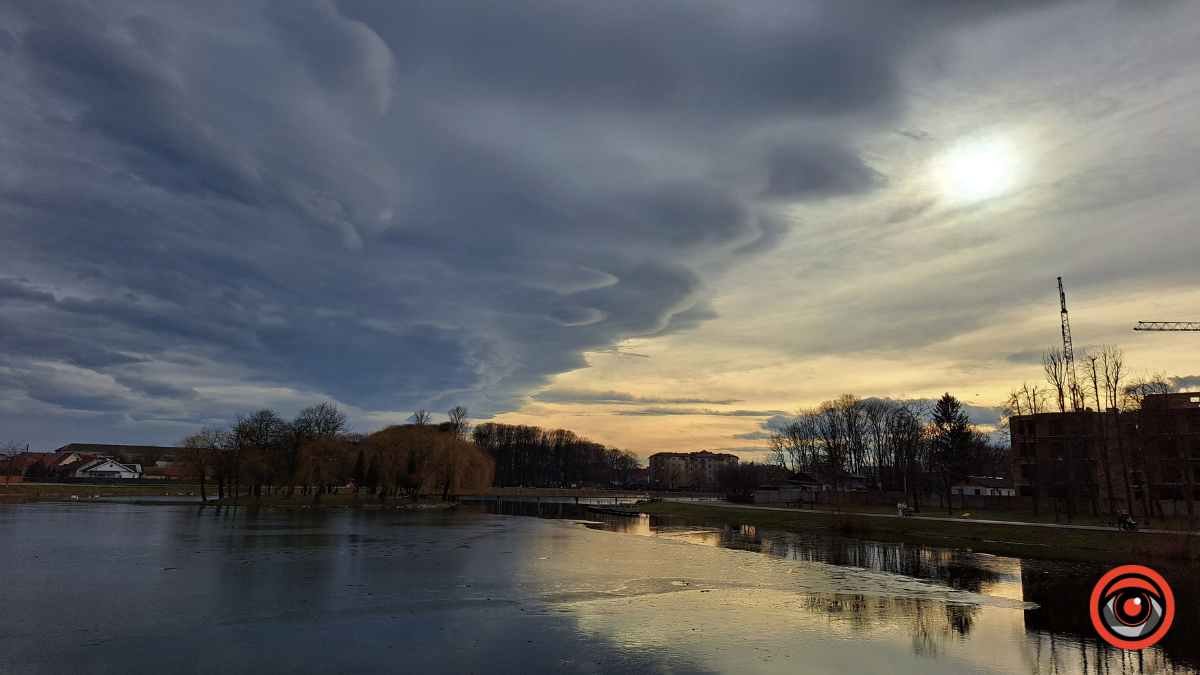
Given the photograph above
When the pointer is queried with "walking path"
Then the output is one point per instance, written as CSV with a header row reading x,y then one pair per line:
x,y
1060,526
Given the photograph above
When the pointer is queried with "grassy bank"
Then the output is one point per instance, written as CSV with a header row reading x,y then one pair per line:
x,y
1012,540
33,492
344,499
1046,516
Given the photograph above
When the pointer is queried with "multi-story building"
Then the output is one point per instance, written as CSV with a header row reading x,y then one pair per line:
x,y
697,470
1135,460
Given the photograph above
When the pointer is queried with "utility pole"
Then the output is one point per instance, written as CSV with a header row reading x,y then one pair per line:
x,y
1068,352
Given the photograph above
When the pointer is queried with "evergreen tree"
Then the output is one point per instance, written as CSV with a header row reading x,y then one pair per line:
x,y
950,435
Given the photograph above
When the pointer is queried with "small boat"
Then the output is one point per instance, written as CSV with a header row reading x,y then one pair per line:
x,y
613,511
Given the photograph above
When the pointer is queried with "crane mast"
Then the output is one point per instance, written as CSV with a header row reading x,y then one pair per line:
x,y
1068,351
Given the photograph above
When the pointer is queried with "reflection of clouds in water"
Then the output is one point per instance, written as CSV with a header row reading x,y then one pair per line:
x,y
834,595
820,604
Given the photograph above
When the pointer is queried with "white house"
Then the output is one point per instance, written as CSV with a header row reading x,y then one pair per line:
x,y
104,467
984,486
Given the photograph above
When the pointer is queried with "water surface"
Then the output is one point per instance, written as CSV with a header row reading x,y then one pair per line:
x,y
130,588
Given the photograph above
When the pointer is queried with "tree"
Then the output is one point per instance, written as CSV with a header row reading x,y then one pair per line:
x,y
459,423
420,458
908,437
320,464
950,438
36,472
324,420
1054,365
259,441
1113,361
535,457
200,455
10,454
421,418
359,474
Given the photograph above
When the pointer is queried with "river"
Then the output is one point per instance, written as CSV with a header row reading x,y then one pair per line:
x,y
133,588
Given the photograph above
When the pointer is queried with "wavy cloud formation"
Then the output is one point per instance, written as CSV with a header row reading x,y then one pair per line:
x,y
208,207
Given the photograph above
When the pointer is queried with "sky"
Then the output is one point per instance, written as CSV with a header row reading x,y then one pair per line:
x,y
662,225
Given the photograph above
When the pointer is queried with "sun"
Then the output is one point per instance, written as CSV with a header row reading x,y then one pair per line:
x,y
978,173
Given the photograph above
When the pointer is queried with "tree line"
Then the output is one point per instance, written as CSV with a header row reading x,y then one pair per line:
x,y
315,453
530,456
908,446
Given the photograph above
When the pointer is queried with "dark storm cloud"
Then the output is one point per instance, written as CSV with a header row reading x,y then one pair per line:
x,y
403,205
818,171
12,289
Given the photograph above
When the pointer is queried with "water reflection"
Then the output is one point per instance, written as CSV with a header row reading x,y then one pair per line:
x,y
1052,626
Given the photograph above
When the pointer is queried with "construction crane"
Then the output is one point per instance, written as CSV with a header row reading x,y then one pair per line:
x,y
1068,352
1168,325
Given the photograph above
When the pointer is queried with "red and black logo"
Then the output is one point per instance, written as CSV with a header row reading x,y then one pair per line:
x,y
1132,607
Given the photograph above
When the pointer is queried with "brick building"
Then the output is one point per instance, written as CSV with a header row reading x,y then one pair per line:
x,y
1091,460
696,470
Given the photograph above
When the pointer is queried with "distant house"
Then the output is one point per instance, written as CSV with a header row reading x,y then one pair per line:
x,y
65,463
639,477
985,486
75,465
832,480
108,468
799,487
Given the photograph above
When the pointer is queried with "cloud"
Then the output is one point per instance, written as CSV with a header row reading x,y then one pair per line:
x,y
617,398
753,436
1027,356
667,412
576,316
814,171
13,289
319,197
1185,382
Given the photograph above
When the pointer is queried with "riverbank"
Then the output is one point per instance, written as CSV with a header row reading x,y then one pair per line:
x,y
36,492
344,499
1010,539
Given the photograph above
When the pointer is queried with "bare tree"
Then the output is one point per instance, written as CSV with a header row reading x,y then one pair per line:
x,y
1094,363
459,423
324,420
421,417
1054,364
1146,385
321,463
1114,375
10,453
1028,400
200,454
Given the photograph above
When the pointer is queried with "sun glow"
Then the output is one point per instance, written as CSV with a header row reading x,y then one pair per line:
x,y
978,173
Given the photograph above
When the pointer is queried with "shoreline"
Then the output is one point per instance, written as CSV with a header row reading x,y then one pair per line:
x,y
1010,539
1016,538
